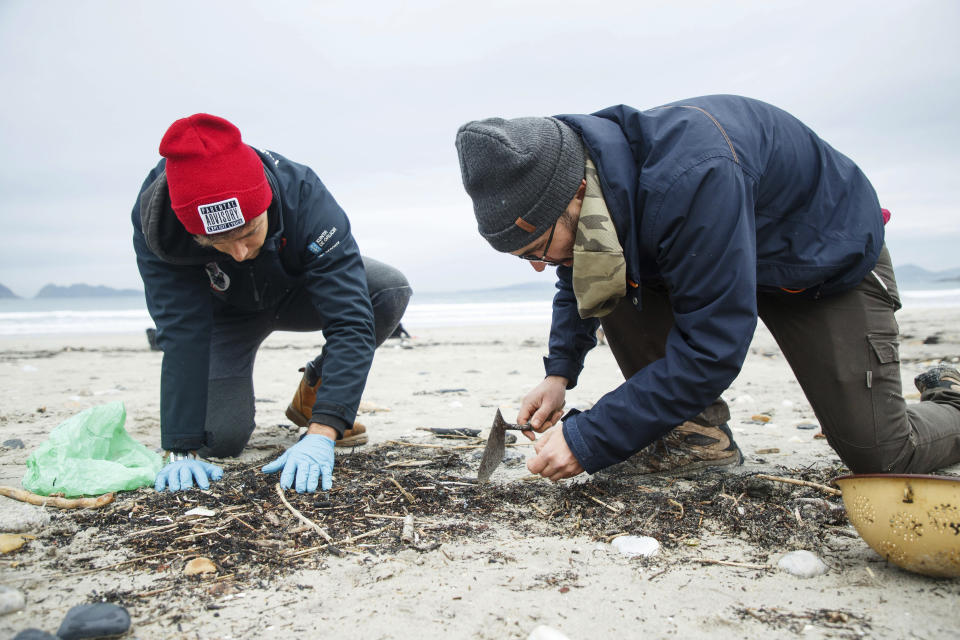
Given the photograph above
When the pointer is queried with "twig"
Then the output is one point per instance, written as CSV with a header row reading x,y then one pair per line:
x,y
237,518
739,565
60,503
363,535
164,527
145,594
382,515
120,564
407,534
417,444
459,447
304,552
613,537
676,504
406,494
604,504
200,534
305,520
802,483
411,463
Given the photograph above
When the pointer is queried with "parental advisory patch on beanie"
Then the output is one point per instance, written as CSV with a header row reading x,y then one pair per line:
x,y
221,216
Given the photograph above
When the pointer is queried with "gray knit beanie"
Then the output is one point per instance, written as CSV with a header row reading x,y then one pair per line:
x,y
521,175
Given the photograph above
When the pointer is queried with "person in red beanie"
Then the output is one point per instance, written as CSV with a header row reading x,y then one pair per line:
x,y
232,244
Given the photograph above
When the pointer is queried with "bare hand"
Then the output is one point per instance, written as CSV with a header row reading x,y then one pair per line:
x,y
543,406
554,460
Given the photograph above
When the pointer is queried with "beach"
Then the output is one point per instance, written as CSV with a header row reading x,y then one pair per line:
x,y
481,565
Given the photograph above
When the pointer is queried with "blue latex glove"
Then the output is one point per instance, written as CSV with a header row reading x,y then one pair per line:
x,y
306,462
180,474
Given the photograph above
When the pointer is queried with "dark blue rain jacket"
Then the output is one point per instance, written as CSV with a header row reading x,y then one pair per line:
x,y
718,198
308,245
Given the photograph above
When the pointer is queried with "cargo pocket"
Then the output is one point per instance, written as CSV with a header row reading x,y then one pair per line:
x,y
886,348
885,385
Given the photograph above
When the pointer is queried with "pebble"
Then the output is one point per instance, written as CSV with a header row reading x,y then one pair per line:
x,y
633,546
199,565
803,564
18,517
34,634
94,621
544,632
12,541
14,443
806,426
11,600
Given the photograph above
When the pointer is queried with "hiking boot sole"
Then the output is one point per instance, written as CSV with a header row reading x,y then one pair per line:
x,y
301,420
626,469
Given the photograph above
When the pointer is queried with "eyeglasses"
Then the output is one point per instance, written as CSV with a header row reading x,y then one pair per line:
x,y
543,258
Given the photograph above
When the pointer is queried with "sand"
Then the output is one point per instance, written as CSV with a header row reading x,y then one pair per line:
x,y
501,583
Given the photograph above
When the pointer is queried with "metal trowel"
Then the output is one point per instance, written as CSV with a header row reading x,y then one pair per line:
x,y
496,446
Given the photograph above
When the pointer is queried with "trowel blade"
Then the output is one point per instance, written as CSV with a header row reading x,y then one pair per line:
x,y
493,452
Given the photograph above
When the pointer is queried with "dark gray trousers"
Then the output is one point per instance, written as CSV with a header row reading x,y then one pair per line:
x,y
237,337
843,350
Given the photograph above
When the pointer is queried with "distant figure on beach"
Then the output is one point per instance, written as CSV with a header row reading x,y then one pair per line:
x,y
674,229
232,244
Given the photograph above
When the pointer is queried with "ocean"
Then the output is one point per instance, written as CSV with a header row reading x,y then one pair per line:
x,y
51,316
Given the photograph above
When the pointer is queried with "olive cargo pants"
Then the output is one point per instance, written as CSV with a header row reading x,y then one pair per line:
x,y
844,351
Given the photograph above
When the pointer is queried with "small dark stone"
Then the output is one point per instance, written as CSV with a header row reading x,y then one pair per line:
x,y
34,634
13,444
931,340
94,621
806,425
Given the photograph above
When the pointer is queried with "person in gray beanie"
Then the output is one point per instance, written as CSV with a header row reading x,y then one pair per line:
x,y
675,229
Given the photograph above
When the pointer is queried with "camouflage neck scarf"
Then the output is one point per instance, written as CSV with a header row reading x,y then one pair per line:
x,y
599,269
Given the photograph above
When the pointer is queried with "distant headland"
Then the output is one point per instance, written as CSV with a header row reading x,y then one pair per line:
x,y
75,291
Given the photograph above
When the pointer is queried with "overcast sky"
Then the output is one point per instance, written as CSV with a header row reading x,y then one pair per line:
x,y
370,95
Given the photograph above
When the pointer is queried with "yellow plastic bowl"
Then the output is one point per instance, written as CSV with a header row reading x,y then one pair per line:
x,y
911,520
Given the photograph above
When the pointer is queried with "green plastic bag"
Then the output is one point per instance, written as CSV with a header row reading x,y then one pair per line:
x,y
91,454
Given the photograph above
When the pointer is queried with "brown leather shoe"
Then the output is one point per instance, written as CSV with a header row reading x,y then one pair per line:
x,y
301,407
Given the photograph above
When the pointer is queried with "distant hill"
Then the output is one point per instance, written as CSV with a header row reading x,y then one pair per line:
x,y
6,293
910,276
85,291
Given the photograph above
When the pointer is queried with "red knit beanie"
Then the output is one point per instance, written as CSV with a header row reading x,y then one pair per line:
x,y
216,182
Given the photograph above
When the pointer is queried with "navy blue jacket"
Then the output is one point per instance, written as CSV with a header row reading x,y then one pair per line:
x,y
308,245
718,198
